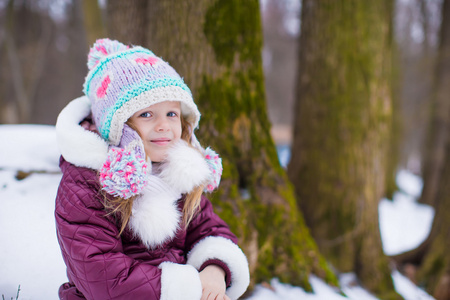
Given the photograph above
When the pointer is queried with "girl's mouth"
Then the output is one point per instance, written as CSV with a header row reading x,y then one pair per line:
x,y
161,141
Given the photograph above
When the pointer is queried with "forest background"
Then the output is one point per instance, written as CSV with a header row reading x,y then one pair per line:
x,y
357,89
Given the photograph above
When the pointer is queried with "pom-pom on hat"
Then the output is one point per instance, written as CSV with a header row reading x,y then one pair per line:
x,y
123,80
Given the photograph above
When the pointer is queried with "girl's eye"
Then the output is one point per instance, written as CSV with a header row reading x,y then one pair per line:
x,y
172,114
145,115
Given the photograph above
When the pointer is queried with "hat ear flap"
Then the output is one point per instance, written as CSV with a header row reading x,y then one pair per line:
x,y
124,173
131,140
215,167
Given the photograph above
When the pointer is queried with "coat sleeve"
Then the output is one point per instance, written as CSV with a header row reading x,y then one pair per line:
x,y
94,256
209,240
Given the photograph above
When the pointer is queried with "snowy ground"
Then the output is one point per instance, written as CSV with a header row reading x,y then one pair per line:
x,y
30,255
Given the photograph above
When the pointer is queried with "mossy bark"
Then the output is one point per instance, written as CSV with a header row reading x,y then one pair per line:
x,y
216,46
341,132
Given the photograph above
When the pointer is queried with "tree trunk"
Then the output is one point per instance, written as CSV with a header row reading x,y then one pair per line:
x,y
126,21
26,36
433,256
440,115
216,47
341,132
93,22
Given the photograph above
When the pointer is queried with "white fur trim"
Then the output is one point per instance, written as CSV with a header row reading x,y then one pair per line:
x,y
155,216
185,168
179,282
228,252
79,146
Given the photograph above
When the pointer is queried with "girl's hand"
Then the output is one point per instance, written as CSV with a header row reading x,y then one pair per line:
x,y
89,125
213,283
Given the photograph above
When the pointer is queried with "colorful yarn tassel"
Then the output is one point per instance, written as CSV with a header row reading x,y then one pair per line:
x,y
124,173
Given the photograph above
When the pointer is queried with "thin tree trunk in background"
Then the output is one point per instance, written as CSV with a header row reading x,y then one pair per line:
x,y
27,38
16,79
341,132
216,47
438,132
127,21
93,21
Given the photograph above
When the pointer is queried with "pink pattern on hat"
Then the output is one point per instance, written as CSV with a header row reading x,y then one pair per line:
x,y
150,60
101,92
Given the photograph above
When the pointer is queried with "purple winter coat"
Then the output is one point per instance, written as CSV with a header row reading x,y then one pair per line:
x,y
101,265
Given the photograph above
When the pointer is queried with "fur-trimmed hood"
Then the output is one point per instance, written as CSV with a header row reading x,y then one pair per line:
x,y
79,146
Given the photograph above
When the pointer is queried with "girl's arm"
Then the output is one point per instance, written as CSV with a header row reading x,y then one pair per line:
x,y
210,242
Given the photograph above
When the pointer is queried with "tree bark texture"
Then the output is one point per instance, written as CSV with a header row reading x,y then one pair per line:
x,y
127,20
341,132
216,46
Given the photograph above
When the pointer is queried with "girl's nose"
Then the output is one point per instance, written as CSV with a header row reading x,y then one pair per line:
x,y
162,124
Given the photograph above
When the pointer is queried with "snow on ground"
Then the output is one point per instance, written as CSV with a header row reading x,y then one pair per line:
x,y
30,255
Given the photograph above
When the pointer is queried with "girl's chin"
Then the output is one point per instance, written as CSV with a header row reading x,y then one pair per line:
x,y
156,158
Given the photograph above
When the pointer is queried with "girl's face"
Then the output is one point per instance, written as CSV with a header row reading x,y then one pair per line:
x,y
159,126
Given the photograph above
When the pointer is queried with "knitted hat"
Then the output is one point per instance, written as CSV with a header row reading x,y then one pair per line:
x,y
123,80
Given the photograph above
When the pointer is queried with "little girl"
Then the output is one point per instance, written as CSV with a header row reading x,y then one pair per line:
x,y
131,219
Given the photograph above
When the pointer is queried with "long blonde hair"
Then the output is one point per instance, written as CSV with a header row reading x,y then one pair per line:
x,y
122,208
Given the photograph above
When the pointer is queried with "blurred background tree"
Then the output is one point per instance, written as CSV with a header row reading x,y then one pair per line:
x,y
42,58
43,47
344,94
